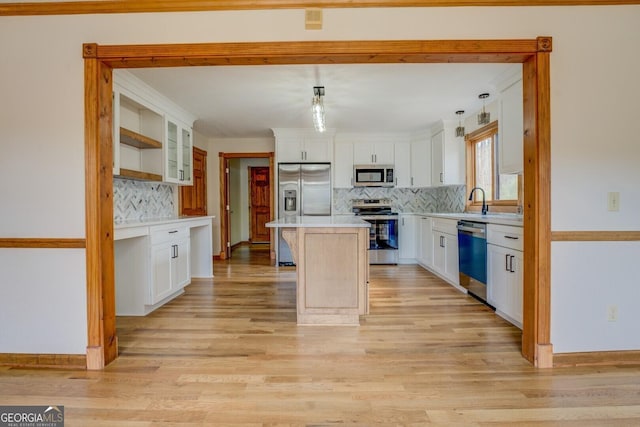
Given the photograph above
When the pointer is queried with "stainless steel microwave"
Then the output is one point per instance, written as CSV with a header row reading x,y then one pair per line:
x,y
373,176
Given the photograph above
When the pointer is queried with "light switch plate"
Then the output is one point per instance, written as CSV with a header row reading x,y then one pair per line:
x,y
614,201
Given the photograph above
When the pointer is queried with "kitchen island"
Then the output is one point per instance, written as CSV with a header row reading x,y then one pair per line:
x,y
332,266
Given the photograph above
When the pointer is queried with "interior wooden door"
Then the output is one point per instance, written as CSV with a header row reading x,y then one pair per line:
x,y
260,204
193,198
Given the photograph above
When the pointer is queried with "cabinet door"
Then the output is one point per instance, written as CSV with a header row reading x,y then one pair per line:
x,y
451,258
384,153
343,165
439,242
407,237
316,150
289,150
363,153
497,277
426,242
515,303
437,159
402,165
180,267
420,164
186,160
171,152
161,260
511,129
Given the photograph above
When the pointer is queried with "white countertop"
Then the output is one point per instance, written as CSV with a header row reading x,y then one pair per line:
x,y
489,218
156,221
319,221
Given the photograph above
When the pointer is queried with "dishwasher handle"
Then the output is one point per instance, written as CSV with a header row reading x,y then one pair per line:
x,y
471,229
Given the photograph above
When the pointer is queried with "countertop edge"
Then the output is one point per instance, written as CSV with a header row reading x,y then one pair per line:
x,y
488,219
159,221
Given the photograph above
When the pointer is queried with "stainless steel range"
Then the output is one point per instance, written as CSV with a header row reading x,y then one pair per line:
x,y
383,233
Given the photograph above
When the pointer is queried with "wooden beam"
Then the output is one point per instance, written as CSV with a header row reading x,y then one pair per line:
x,y
318,52
137,6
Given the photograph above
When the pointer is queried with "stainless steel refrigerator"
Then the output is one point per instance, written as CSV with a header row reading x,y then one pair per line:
x,y
303,189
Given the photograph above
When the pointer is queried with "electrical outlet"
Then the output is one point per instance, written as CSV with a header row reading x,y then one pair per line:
x,y
612,313
614,201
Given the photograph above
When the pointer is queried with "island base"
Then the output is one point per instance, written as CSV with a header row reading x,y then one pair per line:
x,y
332,266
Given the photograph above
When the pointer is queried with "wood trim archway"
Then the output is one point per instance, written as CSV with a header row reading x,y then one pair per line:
x,y
225,232
534,54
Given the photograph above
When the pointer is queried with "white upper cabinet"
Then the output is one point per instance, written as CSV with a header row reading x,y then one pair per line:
x,y
510,125
402,166
343,165
178,152
303,146
447,156
145,145
381,153
420,164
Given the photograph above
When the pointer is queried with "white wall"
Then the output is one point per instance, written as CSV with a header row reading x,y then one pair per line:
x,y
235,201
594,147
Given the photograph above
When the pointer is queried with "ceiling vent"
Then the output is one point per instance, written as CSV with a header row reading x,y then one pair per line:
x,y
313,19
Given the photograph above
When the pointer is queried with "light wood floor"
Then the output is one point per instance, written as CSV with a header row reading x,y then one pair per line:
x,y
228,352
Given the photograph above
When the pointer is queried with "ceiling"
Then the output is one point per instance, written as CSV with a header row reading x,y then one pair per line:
x,y
248,101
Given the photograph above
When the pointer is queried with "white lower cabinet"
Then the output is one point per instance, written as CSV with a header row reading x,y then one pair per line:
x,y
407,242
439,248
504,271
445,256
424,247
153,263
170,262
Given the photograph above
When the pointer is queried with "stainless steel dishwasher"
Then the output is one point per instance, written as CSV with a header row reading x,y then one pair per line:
x,y
472,258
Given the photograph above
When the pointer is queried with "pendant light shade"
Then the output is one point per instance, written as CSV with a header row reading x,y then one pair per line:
x,y
483,117
317,108
460,128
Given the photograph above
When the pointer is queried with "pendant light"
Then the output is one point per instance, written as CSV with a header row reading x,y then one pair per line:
x,y
483,117
460,128
317,108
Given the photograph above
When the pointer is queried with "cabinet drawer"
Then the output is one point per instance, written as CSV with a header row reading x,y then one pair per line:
x,y
505,236
168,233
448,226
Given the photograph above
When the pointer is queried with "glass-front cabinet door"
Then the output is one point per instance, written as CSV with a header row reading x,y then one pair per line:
x,y
171,171
187,157
178,153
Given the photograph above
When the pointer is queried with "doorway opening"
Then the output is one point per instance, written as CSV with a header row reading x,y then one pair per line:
x,y
236,219
100,61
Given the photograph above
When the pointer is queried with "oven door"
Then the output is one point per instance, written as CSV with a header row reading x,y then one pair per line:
x,y
383,239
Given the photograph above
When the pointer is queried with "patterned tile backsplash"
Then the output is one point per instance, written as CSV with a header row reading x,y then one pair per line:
x,y
140,200
449,198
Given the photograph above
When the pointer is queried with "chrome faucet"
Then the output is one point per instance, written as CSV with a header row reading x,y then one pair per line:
x,y
485,208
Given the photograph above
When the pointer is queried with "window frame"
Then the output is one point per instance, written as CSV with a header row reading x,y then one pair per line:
x,y
505,206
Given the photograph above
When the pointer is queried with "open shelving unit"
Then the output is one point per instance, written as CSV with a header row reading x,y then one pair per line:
x,y
141,142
